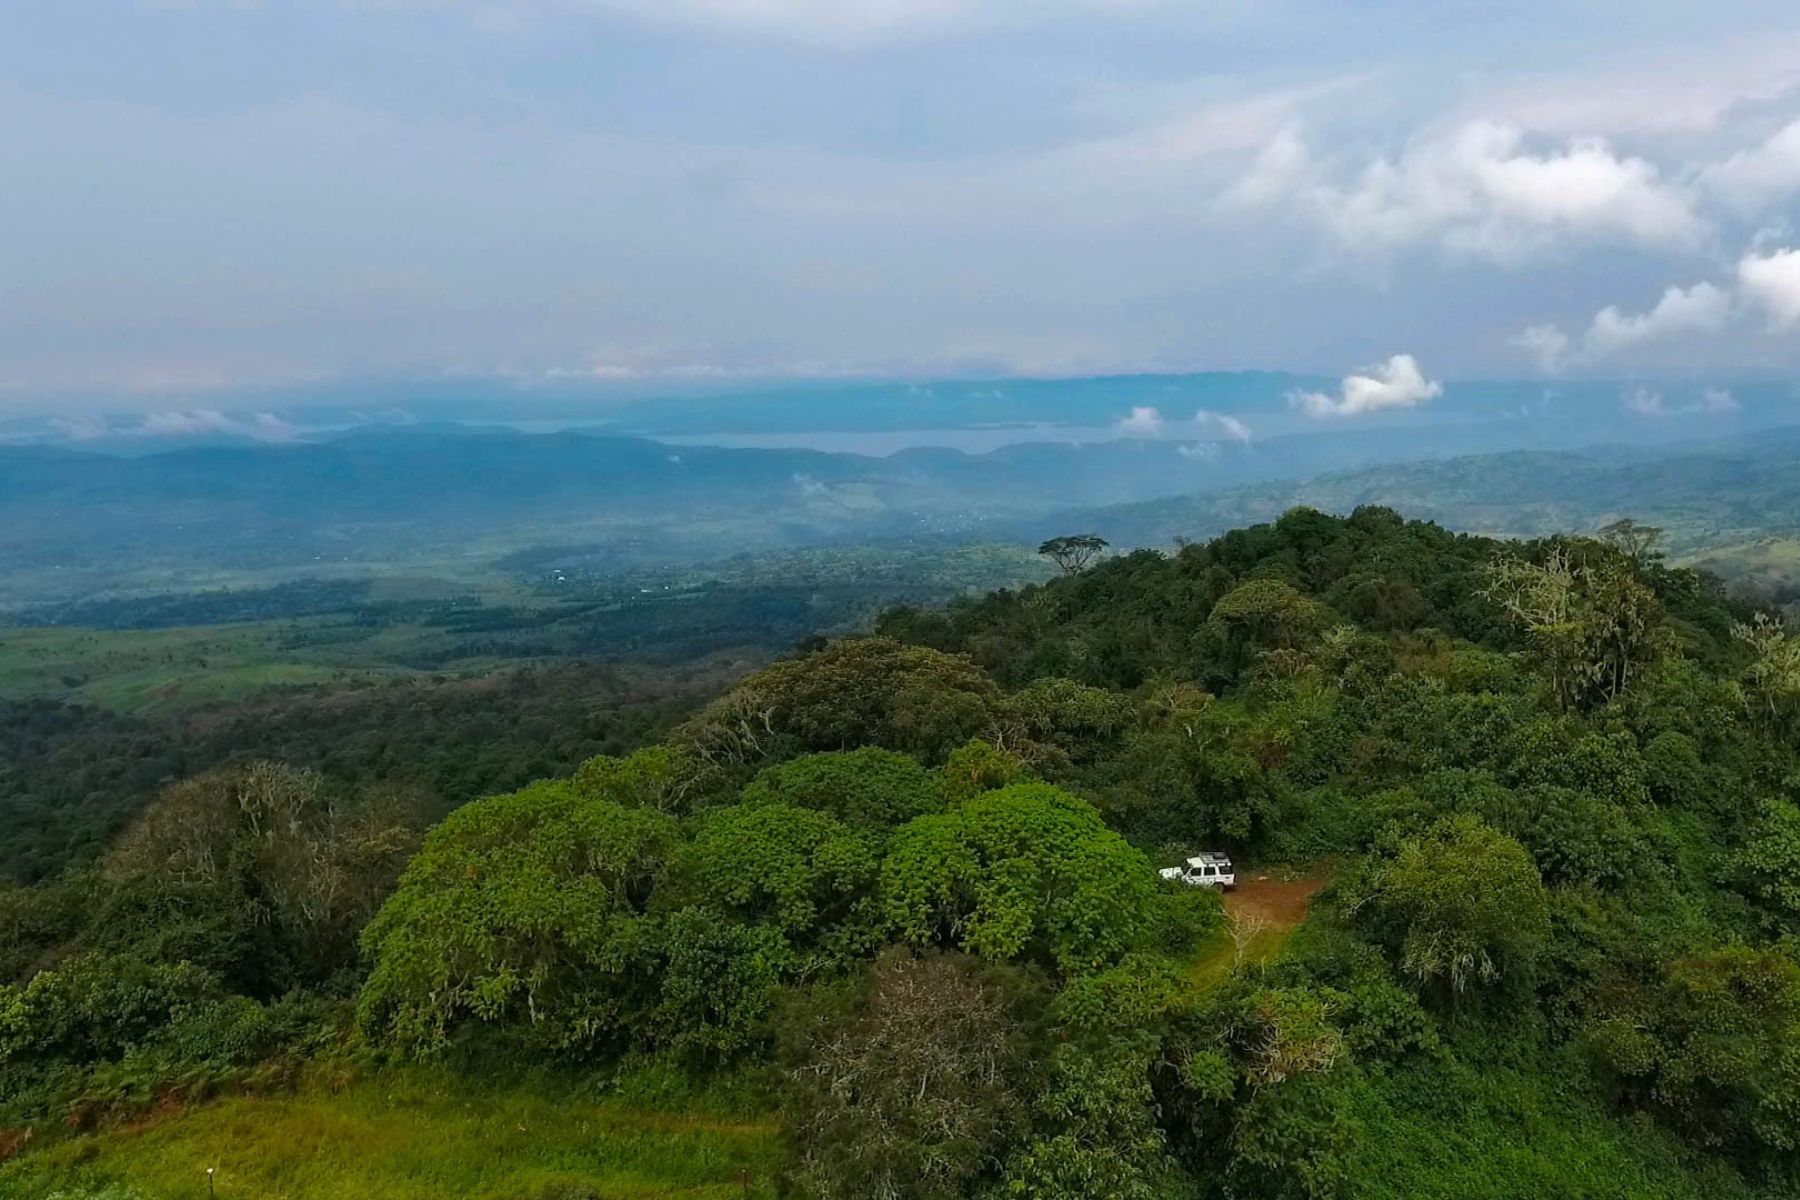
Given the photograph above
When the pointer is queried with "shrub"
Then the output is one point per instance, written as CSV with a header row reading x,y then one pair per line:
x,y
1027,871
1463,900
96,1007
857,692
870,786
919,1092
803,872
1713,1045
977,767
525,906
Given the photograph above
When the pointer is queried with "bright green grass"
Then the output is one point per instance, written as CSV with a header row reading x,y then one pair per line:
x,y
153,670
1773,561
1219,956
159,690
416,1135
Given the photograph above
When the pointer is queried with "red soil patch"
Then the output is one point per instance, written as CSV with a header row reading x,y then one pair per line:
x,y
12,1141
1280,902
167,1105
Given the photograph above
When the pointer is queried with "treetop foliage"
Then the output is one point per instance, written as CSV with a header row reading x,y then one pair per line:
x,y
906,885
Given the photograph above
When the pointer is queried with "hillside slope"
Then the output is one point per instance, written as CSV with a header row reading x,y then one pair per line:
x,y
898,896
1733,507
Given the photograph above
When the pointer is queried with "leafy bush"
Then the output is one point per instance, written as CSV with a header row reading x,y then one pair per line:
x,y
870,786
861,692
1027,871
529,906
978,767
96,1007
1771,859
919,1092
659,777
803,872
1714,1045
1463,901
1097,1131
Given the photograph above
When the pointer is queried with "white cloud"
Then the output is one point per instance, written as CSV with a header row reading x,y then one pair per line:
x,y
1647,403
1227,424
828,22
1702,308
1281,168
1397,383
271,427
1199,451
1751,179
1772,282
186,424
1478,192
1547,344
266,427
81,428
847,23
808,485
1144,422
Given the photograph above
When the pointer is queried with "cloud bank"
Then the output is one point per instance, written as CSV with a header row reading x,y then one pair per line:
x,y
1397,383
179,423
1145,421
1478,191
1772,283
1233,429
1766,282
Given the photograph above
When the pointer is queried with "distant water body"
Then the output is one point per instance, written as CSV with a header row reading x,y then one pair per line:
x,y
880,443
980,439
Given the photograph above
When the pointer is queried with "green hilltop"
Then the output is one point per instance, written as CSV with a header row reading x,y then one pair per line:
x,y
1515,828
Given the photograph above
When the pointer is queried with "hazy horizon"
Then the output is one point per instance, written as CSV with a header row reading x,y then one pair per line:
x,y
215,202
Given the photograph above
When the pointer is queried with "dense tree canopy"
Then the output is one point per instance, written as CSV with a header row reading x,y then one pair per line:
x,y
1515,827
1027,871
531,905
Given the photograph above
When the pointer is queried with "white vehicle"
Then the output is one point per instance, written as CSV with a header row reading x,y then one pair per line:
x,y
1209,869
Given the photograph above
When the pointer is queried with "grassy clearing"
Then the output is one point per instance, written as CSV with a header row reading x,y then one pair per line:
x,y
1260,913
1769,561
418,1135
154,670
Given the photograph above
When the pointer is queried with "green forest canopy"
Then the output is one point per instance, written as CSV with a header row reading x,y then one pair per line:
x,y
903,888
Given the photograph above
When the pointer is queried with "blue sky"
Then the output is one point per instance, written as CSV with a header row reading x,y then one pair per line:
x,y
206,197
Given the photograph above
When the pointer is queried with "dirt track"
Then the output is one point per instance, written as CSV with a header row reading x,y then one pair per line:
x,y
1280,902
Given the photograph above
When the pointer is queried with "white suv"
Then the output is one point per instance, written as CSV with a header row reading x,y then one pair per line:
x,y
1209,869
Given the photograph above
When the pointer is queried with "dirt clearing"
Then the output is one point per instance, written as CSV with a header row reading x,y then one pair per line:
x,y
1282,903
1260,912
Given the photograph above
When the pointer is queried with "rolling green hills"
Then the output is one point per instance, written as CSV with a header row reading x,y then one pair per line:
x,y
1515,823
1733,508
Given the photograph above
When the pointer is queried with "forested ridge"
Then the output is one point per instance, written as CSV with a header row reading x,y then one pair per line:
x,y
72,775
897,895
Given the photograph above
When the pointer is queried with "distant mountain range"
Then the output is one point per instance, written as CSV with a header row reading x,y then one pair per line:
x,y
1732,506
430,498
72,522
1577,411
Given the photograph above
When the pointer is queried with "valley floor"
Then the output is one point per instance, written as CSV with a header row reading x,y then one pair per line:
x,y
413,1135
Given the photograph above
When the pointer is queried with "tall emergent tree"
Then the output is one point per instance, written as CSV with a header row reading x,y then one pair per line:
x,y
1073,552
1592,623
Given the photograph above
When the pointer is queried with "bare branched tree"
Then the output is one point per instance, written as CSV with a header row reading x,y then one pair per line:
x,y
1244,928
